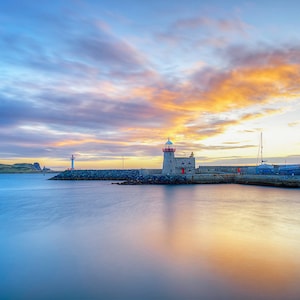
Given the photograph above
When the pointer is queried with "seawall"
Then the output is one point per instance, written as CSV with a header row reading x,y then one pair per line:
x,y
143,176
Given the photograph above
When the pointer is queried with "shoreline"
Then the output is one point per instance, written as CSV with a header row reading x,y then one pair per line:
x,y
139,177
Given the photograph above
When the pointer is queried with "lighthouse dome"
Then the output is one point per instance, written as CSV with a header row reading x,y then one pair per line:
x,y
169,146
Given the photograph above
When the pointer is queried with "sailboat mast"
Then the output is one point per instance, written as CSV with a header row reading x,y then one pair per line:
x,y
260,159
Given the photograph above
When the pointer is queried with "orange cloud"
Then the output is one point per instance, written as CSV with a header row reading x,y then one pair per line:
x,y
244,87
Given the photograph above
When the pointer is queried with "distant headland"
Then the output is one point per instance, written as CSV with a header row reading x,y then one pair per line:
x,y
24,168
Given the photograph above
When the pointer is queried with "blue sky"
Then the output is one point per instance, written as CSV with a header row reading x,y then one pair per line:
x,y
110,81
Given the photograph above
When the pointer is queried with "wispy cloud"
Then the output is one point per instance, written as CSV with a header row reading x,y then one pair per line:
x,y
294,124
199,32
220,24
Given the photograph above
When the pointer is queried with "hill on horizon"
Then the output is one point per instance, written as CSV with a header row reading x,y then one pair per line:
x,y
22,168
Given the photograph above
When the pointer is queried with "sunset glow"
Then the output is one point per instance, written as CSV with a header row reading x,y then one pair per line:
x,y
110,81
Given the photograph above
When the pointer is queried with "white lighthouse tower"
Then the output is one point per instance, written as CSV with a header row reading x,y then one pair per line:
x,y
72,161
169,159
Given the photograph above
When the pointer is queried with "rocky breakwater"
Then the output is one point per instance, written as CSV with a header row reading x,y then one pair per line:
x,y
97,175
158,179
262,180
181,179
134,176
126,177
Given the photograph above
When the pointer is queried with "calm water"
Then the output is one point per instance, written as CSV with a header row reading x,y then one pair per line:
x,y
95,240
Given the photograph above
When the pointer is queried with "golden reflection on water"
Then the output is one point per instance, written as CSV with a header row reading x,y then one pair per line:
x,y
251,262
240,243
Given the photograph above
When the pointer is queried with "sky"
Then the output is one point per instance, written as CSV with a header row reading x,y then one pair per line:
x,y
111,80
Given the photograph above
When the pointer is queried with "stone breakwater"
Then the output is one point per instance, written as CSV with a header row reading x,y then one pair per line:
x,y
143,177
97,175
262,180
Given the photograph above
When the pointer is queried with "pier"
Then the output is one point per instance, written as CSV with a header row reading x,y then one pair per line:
x,y
151,176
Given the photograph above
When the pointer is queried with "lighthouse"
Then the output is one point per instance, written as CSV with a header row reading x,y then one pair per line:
x,y
169,159
177,165
72,161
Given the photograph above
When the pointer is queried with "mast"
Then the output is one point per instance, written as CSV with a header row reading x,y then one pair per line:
x,y
261,148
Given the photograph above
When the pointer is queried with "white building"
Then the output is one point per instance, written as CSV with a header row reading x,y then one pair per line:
x,y
176,165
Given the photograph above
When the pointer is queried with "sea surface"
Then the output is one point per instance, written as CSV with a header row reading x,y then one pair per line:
x,y
98,240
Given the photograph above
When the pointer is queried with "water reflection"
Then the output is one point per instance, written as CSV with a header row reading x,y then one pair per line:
x,y
241,242
94,240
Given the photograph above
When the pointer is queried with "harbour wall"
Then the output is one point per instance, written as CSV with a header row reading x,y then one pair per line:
x,y
154,176
251,170
269,180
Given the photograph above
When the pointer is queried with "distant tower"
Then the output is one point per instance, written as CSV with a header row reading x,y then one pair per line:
x,y
169,159
72,161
